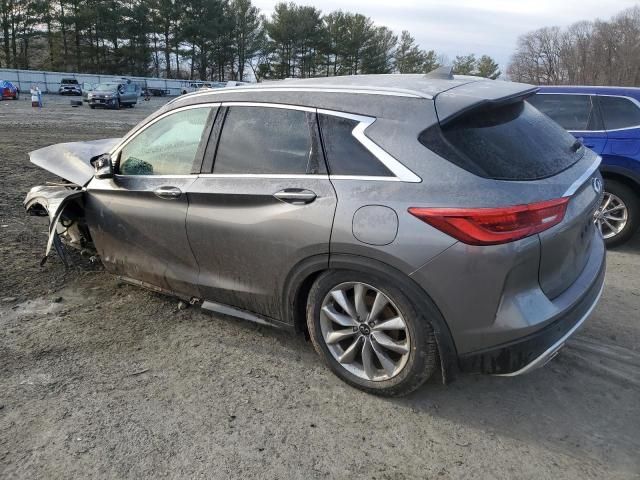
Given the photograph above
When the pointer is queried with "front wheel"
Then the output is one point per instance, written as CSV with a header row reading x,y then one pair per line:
x,y
370,334
617,218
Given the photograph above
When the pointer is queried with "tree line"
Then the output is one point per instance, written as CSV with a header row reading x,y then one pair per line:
x,y
585,53
209,40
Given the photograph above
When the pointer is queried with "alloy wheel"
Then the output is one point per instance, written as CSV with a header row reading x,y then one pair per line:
x,y
364,331
612,215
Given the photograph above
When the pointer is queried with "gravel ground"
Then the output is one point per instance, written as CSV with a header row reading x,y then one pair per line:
x,y
100,379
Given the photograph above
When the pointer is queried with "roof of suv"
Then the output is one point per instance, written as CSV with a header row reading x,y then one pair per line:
x,y
384,95
410,85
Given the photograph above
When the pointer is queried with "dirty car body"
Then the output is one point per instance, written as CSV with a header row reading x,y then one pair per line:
x,y
358,208
113,95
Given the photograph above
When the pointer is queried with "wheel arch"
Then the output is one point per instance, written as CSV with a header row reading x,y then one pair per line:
x,y
304,274
622,175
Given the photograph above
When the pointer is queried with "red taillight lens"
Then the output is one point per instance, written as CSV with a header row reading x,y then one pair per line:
x,y
492,226
6,92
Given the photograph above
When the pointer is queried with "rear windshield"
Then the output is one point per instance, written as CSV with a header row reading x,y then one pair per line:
x,y
510,142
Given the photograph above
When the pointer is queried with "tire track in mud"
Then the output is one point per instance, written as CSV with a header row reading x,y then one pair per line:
x,y
615,362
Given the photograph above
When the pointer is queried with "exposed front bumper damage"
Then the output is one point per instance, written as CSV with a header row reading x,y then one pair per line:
x,y
51,201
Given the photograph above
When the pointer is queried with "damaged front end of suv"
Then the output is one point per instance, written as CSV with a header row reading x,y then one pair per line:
x,y
63,201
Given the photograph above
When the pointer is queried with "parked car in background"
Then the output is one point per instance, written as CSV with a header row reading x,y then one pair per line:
x,y
606,120
69,86
114,95
8,91
196,86
410,223
155,92
86,88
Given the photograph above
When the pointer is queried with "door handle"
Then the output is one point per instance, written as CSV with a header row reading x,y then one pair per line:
x,y
168,193
295,196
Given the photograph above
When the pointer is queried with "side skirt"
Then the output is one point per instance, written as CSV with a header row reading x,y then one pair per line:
x,y
243,314
215,307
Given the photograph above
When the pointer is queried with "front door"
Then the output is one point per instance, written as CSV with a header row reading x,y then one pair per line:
x,y
137,219
267,206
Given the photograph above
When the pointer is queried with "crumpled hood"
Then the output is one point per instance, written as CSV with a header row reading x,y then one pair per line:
x,y
71,160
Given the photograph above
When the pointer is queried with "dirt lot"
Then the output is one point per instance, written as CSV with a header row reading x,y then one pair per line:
x,y
101,379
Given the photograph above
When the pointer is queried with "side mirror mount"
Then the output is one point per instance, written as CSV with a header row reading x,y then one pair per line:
x,y
102,166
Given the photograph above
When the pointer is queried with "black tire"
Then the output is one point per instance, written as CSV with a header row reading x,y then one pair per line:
x,y
630,198
92,107
423,353
117,107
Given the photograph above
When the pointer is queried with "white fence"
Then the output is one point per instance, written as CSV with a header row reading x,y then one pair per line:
x,y
50,81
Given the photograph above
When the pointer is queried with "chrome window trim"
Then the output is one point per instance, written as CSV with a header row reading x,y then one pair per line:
x,y
116,149
264,175
631,99
298,176
573,188
400,172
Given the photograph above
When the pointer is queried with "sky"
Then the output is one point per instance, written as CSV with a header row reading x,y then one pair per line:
x,y
461,27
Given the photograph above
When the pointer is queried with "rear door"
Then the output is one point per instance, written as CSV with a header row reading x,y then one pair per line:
x,y
266,205
621,118
577,113
137,219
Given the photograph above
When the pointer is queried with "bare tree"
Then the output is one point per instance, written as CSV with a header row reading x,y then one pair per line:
x,y
598,53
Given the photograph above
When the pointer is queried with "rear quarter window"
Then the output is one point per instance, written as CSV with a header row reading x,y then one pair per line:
x,y
572,112
344,153
619,112
510,142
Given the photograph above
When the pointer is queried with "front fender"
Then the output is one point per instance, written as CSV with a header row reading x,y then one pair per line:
x,y
50,200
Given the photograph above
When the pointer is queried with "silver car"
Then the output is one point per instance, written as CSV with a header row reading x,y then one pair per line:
x,y
409,223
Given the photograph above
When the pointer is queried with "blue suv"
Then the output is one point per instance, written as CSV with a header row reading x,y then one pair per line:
x,y
606,120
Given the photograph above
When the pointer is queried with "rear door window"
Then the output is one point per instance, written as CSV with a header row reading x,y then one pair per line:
x,y
572,112
510,142
619,112
266,140
345,154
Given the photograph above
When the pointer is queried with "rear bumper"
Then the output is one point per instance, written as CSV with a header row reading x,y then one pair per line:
x,y
535,350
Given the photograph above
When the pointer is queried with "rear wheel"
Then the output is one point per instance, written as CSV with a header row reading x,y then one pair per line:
x,y
617,216
370,334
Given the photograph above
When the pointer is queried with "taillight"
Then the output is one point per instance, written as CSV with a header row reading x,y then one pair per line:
x,y
492,226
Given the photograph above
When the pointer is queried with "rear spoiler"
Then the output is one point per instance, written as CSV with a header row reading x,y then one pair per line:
x,y
458,101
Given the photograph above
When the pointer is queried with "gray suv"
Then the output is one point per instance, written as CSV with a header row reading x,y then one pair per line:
x,y
408,223
114,95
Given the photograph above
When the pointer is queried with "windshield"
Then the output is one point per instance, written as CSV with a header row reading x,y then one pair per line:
x,y
106,87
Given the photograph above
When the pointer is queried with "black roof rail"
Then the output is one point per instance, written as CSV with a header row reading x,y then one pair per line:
x,y
444,72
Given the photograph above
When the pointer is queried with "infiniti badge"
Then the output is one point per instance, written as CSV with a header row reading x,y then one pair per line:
x,y
597,184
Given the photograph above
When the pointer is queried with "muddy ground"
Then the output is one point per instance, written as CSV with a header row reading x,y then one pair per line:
x,y
99,379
